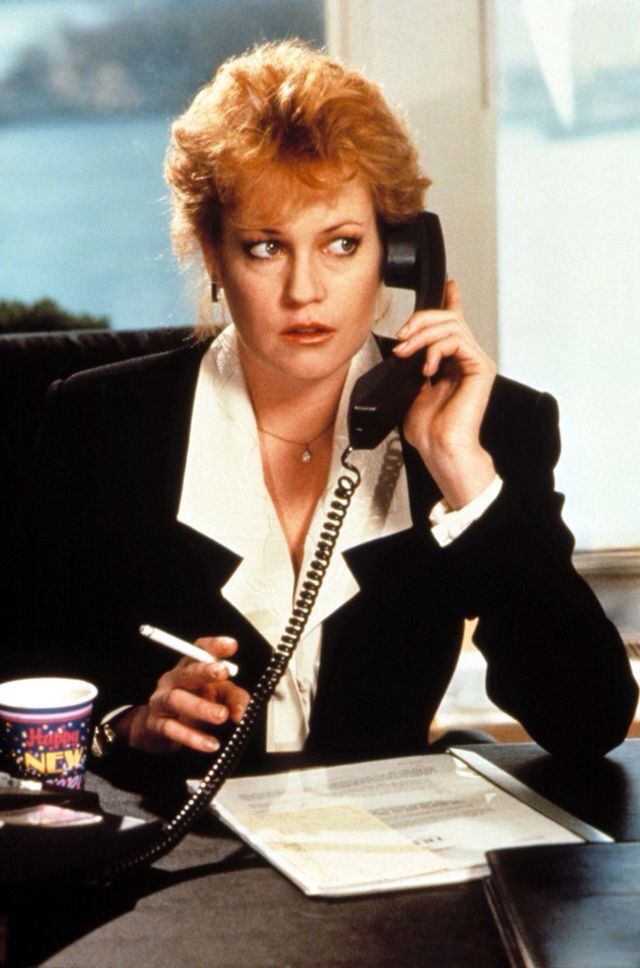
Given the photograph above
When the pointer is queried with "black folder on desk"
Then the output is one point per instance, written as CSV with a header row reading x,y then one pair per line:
x,y
567,906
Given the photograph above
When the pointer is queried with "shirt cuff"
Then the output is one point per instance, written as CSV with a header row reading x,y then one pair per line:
x,y
115,713
447,525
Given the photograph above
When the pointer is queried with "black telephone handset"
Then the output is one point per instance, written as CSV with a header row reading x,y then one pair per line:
x,y
414,258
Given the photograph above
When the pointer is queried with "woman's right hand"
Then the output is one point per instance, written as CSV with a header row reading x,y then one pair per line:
x,y
186,697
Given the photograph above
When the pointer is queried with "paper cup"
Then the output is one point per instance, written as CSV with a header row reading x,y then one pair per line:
x,y
45,728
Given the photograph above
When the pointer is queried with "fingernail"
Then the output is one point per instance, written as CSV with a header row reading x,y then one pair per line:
x,y
211,744
400,349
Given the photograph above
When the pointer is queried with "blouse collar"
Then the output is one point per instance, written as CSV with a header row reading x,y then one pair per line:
x,y
224,497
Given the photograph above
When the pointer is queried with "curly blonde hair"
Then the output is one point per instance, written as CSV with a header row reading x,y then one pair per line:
x,y
288,104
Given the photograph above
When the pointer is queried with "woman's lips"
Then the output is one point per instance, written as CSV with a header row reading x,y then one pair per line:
x,y
307,334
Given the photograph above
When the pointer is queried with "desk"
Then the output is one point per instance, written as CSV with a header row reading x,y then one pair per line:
x,y
213,902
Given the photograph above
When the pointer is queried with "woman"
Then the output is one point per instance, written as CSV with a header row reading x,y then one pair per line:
x,y
192,486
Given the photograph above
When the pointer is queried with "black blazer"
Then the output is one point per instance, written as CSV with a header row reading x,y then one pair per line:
x,y
109,554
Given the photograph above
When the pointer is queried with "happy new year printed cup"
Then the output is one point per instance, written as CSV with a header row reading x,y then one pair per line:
x,y
45,728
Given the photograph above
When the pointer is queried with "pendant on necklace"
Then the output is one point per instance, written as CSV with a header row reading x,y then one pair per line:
x,y
306,455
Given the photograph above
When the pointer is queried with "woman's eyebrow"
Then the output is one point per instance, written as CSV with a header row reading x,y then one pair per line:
x,y
274,230
343,224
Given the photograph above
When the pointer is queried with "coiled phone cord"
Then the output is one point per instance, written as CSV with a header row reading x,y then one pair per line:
x,y
177,828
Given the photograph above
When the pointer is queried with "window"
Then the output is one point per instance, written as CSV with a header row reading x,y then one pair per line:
x,y
87,92
568,188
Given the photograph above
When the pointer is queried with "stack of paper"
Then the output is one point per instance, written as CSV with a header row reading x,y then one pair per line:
x,y
390,824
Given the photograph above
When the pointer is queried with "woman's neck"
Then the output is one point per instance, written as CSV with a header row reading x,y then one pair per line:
x,y
295,419
296,409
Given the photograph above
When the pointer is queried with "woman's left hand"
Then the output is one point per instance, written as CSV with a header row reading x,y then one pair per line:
x,y
443,423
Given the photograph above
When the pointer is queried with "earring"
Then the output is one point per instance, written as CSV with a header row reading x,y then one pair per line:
x,y
215,294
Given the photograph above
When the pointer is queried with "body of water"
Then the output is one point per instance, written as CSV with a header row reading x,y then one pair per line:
x,y
84,220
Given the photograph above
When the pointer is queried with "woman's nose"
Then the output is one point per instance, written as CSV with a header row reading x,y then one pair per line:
x,y
304,282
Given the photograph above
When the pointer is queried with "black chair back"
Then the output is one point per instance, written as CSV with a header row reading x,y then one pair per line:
x,y
29,363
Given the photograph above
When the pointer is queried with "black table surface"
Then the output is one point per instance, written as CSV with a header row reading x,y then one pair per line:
x,y
212,901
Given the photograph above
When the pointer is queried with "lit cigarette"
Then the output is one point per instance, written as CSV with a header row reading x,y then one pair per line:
x,y
185,648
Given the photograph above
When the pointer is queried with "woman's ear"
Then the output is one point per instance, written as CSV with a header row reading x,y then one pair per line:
x,y
211,259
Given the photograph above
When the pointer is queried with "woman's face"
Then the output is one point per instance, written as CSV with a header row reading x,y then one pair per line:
x,y
301,286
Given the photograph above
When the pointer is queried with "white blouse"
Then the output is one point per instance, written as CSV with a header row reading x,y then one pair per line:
x,y
224,497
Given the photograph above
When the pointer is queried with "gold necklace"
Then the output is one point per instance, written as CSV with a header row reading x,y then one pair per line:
x,y
307,453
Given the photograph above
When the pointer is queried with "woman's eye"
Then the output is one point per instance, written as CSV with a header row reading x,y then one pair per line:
x,y
262,250
345,245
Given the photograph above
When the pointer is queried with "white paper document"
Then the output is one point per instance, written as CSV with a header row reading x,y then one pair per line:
x,y
384,825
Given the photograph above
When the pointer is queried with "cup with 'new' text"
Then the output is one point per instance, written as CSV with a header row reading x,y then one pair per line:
x,y
45,728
